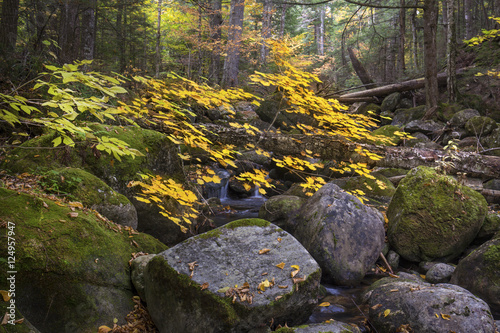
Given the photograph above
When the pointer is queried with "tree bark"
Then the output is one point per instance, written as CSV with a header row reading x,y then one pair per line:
x,y
360,69
89,30
401,39
215,37
414,38
231,64
267,13
282,21
69,48
158,41
468,19
451,51
430,57
8,26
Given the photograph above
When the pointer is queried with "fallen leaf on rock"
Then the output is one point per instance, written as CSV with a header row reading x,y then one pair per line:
x,y
386,312
393,290
75,204
281,265
437,316
282,287
325,304
293,273
277,298
376,306
445,316
223,290
265,273
279,239
204,286
45,205
104,329
73,214
263,251
297,267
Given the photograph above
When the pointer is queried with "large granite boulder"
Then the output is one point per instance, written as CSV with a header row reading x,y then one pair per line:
x,y
281,210
72,265
343,235
236,278
433,217
402,303
479,272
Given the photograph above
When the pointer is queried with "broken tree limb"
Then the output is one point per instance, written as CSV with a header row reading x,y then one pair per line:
x,y
360,70
396,87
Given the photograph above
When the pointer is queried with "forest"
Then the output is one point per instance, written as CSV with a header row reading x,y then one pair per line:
x,y
141,125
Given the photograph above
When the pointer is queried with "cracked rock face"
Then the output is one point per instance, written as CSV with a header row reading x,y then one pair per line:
x,y
234,278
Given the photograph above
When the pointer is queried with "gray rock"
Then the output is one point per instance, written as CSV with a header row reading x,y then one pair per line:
x,y
460,118
426,308
137,273
492,141
470,141
428,145
479,273
190,287
490,226
440,273
343,235
281,210
418,137
393,259
330,327
428,127
432,217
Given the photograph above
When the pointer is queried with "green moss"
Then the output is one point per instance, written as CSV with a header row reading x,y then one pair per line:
x,y
247,223
210,234
492,256
82,186
388,131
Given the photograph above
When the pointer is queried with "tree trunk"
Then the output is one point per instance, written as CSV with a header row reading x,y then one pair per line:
x,y
8,26
430,57
158,41
451,51
401,39
321,31
120,40
360,69
89,30
68,33
231,64
267,13
468,19
215,36
414,38
282,21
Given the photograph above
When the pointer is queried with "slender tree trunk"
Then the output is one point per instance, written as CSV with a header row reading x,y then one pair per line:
x,y
215,36
451,51
402,33
360,70
68,32
468,19
158,40
89,30
414,38
430,57
266,30
321,31
231,64
8,26
120,40
282,21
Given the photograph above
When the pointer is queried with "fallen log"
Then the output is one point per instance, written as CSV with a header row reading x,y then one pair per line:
x,y
395,87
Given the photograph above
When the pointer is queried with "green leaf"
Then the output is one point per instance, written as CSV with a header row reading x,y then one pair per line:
x,y
57,141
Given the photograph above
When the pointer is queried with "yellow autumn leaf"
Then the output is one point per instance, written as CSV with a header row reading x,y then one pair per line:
x,y
104,329
281,265
263,251
5,295
325,304
445,316
296,267
386,312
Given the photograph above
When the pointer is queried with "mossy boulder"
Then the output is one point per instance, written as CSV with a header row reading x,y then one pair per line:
x,y
490,226
215,282
72,266
479,272
391,102
492,141
92,192
460,118
388,131
159,156
480,126
281,209
404,116
432,217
